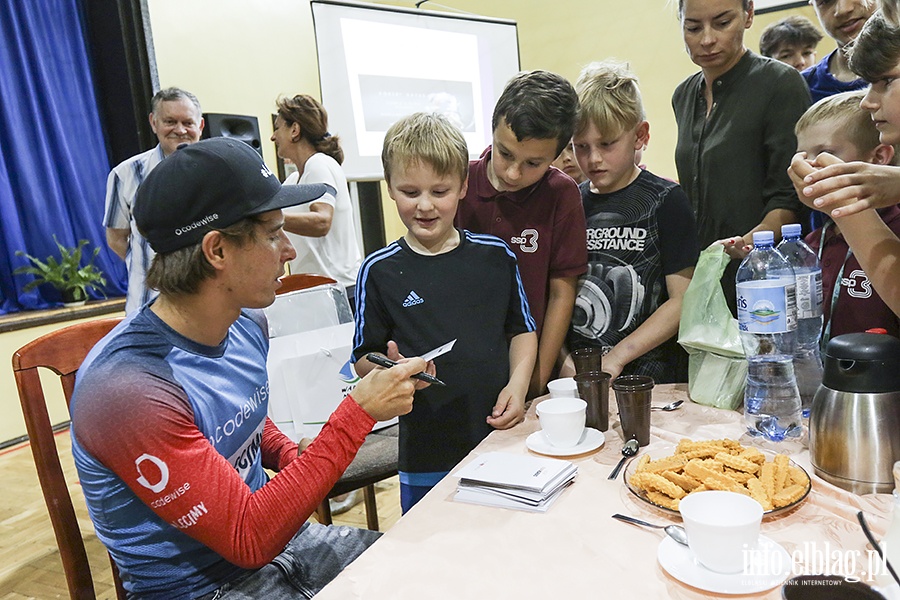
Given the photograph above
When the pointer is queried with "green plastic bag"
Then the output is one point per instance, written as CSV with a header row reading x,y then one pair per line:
x,y
717,368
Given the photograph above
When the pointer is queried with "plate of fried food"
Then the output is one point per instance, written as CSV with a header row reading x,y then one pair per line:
x,y
664,476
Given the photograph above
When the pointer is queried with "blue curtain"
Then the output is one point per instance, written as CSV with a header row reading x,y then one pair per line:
x,y
53,159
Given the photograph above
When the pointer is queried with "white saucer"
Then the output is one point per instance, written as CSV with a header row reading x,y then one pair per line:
x,y
590,440
769,566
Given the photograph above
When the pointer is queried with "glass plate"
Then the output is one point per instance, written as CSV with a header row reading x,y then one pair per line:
x,y
663,452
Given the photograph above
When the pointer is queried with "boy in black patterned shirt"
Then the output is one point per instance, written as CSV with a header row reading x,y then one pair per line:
x,y
641,235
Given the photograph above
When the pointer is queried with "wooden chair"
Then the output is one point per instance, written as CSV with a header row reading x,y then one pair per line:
x,y
377,457
375,461
62,352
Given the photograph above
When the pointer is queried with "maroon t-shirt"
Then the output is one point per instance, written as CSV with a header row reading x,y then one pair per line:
x,y
543,224
859,307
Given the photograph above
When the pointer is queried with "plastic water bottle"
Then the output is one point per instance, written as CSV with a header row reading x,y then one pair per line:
x,y
808,274
767,319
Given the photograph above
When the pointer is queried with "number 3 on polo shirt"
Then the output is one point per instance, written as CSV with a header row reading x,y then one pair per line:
x,y
527,241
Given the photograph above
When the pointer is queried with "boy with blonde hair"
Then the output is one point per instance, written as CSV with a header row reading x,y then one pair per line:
x,y
849,190
837,125
437,284
641,236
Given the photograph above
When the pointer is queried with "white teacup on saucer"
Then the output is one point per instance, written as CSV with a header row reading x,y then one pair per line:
x,y
562,420
722,528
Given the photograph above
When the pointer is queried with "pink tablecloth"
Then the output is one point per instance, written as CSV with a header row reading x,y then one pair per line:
x,y
447,549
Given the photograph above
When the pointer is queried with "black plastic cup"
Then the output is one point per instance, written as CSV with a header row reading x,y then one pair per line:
x,y
827,587
633,395
593,388
588,359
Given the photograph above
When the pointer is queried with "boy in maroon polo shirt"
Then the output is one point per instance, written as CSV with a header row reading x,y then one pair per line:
x,y
515,195
838,125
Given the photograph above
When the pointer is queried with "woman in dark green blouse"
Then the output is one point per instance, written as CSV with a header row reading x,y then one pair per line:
x,y
735,129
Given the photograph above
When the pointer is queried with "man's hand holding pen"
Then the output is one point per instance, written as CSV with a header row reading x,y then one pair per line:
x,y
393,353
388,393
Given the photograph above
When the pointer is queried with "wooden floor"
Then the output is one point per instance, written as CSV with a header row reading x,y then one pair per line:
x,y
29,561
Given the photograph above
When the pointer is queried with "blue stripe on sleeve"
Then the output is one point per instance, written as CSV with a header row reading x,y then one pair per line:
x,y
361,291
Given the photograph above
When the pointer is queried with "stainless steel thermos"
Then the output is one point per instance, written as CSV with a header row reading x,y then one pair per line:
x,y
854,425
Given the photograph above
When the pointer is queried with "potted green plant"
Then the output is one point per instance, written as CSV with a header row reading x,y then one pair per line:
x,y
66,274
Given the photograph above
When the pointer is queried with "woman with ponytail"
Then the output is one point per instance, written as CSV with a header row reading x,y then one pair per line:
x,y
323,233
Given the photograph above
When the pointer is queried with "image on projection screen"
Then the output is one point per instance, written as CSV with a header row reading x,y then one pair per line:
x,y
387,99
387,81
377,65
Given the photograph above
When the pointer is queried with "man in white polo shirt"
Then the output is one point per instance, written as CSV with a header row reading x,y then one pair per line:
x,y
176,119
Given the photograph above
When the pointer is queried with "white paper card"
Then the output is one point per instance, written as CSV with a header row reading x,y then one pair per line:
x,y
442,349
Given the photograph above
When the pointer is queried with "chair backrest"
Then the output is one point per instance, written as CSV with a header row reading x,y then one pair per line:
x,y
307,302
302,281
62,352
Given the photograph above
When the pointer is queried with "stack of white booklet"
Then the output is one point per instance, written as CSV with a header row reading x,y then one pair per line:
x,y
517,481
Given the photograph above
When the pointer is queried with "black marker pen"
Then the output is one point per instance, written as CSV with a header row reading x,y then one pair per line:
x,y
383,361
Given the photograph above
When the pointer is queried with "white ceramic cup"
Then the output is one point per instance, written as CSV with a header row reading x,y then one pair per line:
x,y
564,387
562,420
722,528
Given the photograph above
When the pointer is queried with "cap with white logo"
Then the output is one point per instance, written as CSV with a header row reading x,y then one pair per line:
x,y
210,185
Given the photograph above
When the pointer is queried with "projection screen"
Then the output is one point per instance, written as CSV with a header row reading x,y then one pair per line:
x,y
378,63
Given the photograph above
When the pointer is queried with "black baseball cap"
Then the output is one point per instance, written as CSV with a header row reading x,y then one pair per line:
x,y
210,185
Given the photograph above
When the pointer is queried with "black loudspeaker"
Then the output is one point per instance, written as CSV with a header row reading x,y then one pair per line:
x,y
240,127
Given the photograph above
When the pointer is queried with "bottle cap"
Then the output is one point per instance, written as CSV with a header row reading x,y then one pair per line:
x,y
791,230
762,238
880,330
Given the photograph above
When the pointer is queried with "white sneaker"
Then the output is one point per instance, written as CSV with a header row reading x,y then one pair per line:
x,y
344,502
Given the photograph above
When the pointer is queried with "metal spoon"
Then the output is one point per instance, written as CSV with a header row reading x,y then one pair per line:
x,y
676,532
668,407
628,450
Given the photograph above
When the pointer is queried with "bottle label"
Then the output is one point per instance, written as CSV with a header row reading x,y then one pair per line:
x,y
809,295
767,306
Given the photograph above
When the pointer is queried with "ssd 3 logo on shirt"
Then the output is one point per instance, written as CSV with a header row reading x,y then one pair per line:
x,y
857,284
527,240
